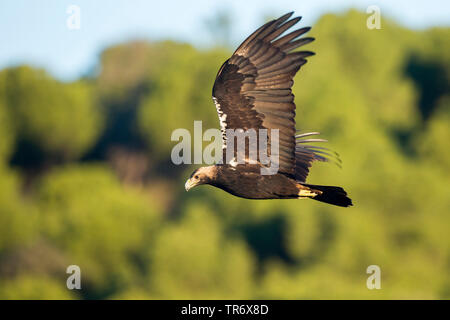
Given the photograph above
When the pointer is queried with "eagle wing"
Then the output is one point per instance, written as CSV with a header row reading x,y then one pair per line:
x,y
252,90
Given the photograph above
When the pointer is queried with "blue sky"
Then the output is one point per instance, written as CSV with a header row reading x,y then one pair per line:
x,y
35,32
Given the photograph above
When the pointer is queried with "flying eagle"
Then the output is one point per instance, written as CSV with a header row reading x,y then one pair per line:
x,y
252,90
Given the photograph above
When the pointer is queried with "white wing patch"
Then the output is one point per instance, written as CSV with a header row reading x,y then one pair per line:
x,y
222,121
233,162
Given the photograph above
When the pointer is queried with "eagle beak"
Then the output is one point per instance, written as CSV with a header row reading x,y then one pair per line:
x,y
189,184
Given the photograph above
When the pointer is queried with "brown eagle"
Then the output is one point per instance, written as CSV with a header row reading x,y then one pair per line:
x,y
252,90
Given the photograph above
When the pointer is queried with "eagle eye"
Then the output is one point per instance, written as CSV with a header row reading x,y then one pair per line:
x,y
196,176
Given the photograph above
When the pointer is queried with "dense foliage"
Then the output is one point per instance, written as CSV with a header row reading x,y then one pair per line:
x,y
86,176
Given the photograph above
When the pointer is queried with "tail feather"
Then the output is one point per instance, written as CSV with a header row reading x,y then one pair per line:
x,y
332,195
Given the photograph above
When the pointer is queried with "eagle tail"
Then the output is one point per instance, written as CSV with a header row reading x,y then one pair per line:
x,y
331,195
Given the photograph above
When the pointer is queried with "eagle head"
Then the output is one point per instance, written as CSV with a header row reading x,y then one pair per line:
x,y
203,175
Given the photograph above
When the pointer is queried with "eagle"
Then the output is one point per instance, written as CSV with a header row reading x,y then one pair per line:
x,y
252,90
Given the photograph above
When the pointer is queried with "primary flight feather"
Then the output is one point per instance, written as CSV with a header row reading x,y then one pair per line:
x,y
252,90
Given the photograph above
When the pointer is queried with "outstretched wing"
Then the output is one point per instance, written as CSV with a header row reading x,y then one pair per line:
x,y
253,87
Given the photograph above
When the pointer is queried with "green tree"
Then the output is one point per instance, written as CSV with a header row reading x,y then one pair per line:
x,y
99,225
181,93
192,259
61,118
